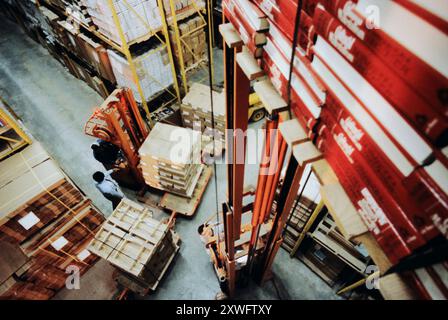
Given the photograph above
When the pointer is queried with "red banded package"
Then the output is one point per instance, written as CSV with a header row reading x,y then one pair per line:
x,y
362,198
432,199
395,212
248,20
435,177
404,46
381,166
417,111
282,15
393,124
302,63
247,37
305,103
250,12
434,12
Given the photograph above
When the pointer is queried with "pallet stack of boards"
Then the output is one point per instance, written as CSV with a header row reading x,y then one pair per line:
x,y
368,95
47,218
140,246
171,159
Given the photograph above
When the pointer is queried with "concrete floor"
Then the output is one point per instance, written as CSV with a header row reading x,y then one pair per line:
x,y
54,107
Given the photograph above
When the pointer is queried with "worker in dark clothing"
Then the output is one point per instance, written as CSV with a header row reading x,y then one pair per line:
x,y
107,153
108,187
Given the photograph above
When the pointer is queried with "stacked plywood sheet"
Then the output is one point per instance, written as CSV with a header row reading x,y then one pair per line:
x,y
137,244
137,18
33,192
171,159
197,111
59,247
153,68
45,216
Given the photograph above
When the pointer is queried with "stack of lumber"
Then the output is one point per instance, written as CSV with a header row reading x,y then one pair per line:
x,y
33,193
138,18
60,246
171,159
192,35
196,110
153,69
45,216
136,243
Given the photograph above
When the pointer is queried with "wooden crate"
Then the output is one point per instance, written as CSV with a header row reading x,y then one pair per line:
x,y
140,246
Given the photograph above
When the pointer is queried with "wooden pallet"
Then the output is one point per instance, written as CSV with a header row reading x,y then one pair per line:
x,y
187,206
137,285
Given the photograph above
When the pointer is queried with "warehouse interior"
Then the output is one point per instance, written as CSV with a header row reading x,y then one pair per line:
x,y
336,190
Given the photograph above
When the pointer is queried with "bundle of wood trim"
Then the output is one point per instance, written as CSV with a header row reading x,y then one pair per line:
x,y
45,216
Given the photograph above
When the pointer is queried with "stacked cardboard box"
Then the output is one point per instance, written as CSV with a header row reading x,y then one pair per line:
x,y
184,8
196,109
136,243
136,17
194,36
45,216
153,69
171,159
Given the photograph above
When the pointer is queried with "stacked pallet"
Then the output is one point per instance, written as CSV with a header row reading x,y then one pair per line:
x,y
46,217
370,99
193,35
138,18
171,159
153,67
196,110
136,244
299,216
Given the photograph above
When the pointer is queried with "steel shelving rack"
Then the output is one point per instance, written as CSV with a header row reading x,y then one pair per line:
x,y
12,137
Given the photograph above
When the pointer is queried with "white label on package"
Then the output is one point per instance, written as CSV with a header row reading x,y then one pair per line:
x,y
59,243
29,221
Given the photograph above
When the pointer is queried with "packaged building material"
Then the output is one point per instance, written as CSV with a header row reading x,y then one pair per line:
x,y
196,110
138,18
30,199
193,41
137,244
417,111
153,70
171,159
47,218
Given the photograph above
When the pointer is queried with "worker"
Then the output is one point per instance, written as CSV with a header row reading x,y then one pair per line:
x,y
108,187
108,154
